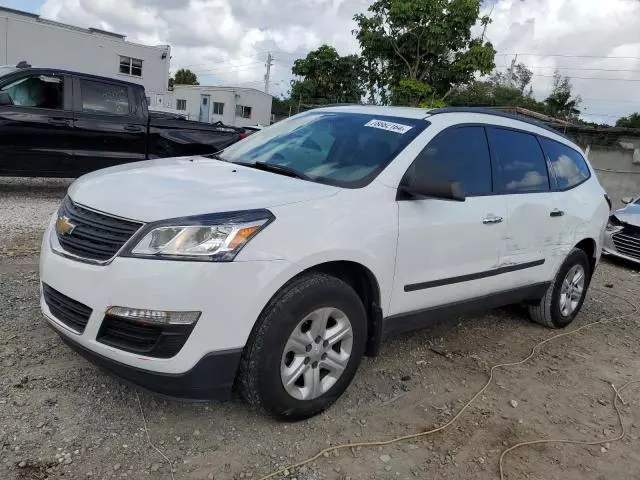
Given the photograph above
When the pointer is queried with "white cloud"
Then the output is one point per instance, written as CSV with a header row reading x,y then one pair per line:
x,y
226,41
543,30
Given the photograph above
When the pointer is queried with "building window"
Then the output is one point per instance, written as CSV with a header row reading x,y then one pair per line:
x,y
181,104
131,66
243,112
218,108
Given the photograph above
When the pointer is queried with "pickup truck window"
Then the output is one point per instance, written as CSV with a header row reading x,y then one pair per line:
x,y
104,97
40,91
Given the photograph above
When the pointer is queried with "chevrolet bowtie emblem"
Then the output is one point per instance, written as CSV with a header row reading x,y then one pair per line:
x,y
64,226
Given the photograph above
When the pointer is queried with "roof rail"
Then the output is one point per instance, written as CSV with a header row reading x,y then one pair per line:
x,y
496,113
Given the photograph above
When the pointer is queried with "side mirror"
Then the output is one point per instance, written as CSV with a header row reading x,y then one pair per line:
x,y
420,188
5,99
626,200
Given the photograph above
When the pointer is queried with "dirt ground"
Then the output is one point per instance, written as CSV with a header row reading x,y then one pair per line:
x,y
63,418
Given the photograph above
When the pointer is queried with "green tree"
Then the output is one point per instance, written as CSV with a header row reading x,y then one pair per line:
x,y
560,102
326,77
283,106
417,50
632,121
184,76
502,89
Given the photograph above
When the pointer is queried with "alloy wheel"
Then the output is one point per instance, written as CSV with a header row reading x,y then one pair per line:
x,y
572,290
316,353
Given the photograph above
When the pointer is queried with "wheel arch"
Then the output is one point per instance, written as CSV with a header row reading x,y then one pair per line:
x,y
365,284
590,247
356,274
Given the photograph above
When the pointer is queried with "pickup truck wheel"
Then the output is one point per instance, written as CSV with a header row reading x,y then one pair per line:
x,y
305,348
565,296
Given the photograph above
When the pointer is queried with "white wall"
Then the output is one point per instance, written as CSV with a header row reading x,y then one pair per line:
x,y
259,102
46,44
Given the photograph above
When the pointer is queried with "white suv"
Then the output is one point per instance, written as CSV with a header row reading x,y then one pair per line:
x,y
277,264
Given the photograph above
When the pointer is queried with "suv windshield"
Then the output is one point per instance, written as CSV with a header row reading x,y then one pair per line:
x,y
337,148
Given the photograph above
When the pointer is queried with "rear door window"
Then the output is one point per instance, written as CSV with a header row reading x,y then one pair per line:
x,y
521,165
100,97
458,155
569,167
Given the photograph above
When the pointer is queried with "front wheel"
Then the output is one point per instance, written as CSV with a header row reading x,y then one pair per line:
x,y
305,348
565,296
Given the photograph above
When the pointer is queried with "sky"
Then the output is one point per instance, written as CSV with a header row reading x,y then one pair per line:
x,y
595,43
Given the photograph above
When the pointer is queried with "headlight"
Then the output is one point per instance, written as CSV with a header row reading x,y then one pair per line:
x,y
217,237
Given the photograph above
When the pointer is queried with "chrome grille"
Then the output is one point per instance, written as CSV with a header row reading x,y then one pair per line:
x,y
95,236
627,241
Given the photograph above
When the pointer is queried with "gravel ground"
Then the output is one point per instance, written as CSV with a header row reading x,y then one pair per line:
x,y
62,418
26,205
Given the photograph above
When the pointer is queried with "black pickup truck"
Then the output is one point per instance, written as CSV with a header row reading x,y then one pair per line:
x,y
56,123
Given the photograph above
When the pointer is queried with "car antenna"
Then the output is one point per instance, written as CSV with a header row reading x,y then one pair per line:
x,y
23,64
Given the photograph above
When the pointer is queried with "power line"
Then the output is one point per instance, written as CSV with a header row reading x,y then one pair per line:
x,y
568,56
574,68
591,78
226,67
227,70
607,79
222,62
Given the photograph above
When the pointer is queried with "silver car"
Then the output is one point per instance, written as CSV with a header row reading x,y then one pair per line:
x,y
622,236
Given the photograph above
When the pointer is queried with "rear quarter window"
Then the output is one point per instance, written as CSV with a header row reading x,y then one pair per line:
x,y
568,165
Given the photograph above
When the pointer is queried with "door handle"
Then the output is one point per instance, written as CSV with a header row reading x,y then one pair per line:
x,y
491,219
556,213
132,128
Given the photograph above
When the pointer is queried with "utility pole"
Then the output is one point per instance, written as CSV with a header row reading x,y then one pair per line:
x,y
267,75
511,71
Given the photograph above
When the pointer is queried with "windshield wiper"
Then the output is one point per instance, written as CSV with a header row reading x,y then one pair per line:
x,y
215,156
272,167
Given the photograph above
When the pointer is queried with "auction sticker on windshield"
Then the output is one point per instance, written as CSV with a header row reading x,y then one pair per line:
x,y
390,126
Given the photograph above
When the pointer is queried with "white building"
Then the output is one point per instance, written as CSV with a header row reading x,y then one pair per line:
x,y
46,43
241,107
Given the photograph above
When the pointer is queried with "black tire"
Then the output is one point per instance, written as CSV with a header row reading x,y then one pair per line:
x,y
547,311
260,382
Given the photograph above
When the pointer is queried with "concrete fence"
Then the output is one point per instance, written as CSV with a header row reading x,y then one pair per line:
x,y
615,155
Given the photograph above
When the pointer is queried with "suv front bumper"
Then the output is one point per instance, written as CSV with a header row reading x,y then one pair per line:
x,y
211,378
230,297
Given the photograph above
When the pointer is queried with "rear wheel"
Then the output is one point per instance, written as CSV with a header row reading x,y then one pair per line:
x,y
565,296
305,349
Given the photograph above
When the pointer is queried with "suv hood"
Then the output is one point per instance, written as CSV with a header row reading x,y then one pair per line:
x,y
180,187
630,215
